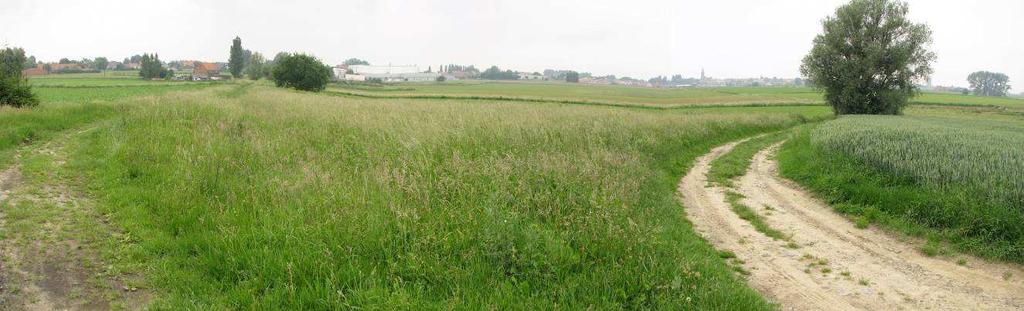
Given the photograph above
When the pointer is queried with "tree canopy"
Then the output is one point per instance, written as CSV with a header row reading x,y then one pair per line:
x,y
986,83
495,73
869,57
236,61
152,68
355,61
301,72
572,77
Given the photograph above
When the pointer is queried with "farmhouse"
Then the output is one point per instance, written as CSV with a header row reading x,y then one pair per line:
x,y
205,71
38,71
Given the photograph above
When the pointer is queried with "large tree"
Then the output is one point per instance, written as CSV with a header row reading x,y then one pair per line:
x,y
869,57
100,63
237,59
301,72
986,83
255,67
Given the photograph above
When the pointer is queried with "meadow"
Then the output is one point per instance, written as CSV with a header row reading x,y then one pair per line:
x,y
953,178
308,201
391,200
635,96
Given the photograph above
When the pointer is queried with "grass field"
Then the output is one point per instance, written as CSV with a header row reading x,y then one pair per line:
x,y
297,201
953,178
239,195
655,97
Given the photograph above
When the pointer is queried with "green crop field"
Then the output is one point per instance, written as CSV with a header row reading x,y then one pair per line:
x,y
956,178
654,97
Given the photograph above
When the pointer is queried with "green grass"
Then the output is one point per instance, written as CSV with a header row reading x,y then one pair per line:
x,y
736,163
747,213
653,97
951,178
284,200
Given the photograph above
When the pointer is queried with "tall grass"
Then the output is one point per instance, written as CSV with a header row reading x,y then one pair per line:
x,y
958,179
271,199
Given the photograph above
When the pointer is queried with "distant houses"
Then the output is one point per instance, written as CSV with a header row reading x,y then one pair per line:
x,y
389,73
205,71
39,70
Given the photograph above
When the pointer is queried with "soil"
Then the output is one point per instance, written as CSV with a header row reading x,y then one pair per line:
x,y
830,264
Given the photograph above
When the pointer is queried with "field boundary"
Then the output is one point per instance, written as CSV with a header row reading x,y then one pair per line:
x,y
568,102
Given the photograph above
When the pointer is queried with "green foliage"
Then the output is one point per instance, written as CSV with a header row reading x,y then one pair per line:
x,y
15,91
236,61
355,61
100,63
12,62
255,69
869,57
495,73
986,83
735,163
301,72
152,67
572,77
957,178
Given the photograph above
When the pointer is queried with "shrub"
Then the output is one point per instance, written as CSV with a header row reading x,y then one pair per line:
x,y
16,92
301,72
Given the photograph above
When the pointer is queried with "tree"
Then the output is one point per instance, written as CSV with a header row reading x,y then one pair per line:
x,y
301,72
237,59
495,73
151,67
986,83
572,77
355,61
30,62
14,89
868,57
65,61
101,63
255,67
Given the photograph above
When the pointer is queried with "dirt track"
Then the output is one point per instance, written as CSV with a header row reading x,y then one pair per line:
x,y
836,266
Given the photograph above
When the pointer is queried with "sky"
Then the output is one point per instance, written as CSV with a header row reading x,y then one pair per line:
x,y
636,38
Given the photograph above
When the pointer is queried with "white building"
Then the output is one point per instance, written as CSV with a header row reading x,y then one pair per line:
x,y
389,73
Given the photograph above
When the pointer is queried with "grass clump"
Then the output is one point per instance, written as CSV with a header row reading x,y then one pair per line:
x,y
748,214
736,163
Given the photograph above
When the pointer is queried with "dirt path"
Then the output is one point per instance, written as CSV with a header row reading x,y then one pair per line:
x,y
49,237
835,265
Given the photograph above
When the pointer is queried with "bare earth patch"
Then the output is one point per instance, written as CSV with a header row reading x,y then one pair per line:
x,y
834,265
47,261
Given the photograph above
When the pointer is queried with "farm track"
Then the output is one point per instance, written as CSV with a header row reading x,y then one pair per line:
x,y
833,265
45,261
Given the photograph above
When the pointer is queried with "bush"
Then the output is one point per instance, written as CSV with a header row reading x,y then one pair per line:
x,y
16,92
301,72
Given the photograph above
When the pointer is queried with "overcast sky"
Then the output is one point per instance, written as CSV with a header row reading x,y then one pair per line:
x,y
730,38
